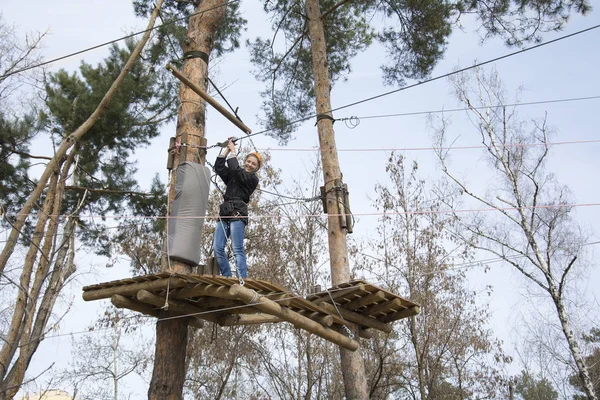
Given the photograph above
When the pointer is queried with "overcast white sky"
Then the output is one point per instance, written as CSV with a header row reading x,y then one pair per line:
x,y
566,69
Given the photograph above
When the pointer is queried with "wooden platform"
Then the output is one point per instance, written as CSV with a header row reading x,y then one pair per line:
x,y
224,301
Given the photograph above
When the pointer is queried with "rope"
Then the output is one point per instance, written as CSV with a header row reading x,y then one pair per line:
x,y
166,305
363,214
348,331
255,297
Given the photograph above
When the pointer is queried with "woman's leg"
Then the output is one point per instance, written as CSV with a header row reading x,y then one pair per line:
x,y
221,234
237,243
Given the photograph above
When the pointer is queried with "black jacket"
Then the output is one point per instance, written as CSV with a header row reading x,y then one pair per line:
x,y
240,186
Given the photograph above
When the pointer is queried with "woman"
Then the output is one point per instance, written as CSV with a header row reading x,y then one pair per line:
x,y
233,212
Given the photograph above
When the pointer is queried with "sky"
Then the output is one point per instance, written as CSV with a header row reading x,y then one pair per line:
x,y
562,70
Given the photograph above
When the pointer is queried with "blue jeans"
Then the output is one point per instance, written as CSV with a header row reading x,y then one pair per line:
x,y
234,229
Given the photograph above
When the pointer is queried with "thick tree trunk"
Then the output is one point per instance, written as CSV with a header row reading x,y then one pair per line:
x,y
171,335
353,368
171,345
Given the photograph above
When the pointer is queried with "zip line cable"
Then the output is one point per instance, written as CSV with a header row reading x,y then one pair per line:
x,y
113,41
306,199
364,214
514,53
476,65
530,103
366,149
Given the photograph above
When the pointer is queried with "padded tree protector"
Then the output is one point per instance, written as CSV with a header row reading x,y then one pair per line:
x,y
189,206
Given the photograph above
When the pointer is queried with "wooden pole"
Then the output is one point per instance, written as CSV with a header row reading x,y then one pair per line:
x,y
168,374
176,306
255,319
132,289
198,90
357,318
249,296
409,312
337,293
366,300
353,367
125,302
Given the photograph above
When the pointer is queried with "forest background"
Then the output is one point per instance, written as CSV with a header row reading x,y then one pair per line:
x,y
563,70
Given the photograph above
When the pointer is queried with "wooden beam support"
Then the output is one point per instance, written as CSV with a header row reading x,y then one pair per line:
x,y
408,312
201,289
281,299
254,319
176,306
132,289
209,99
249,296
124,302
325,320
212,302
247,310
357,318
365,301
366,333
383,308
337,293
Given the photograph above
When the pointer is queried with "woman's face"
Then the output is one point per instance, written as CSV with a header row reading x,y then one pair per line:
x,y
251,164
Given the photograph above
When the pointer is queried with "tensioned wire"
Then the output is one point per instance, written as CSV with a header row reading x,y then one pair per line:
x,y
459,266
115,40
446,75
475,65
364,214
366,100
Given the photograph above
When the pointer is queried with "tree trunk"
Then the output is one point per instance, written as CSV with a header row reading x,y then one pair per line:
x,y
29,333
169,359
353,368
69,142
169,371
582,370
15,331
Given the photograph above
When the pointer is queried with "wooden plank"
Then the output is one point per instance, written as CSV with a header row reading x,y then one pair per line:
x,y
365,300
270,307
366,333
175,306
132,289
214,302
124,302
323,319
298,304
255,319
200,290
121,282
282,299
408,312
383,308
335,294
357,318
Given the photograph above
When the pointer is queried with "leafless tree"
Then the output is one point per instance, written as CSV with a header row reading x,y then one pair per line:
x,y
531,228
16,55
105,356
446,351
49,260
